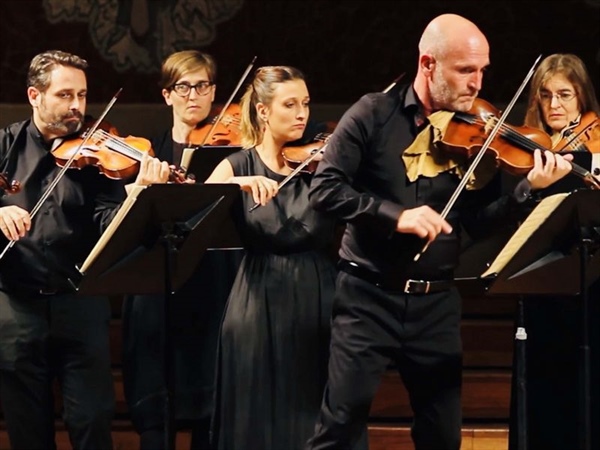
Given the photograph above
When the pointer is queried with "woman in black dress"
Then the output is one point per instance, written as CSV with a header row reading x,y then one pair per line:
x,y
272,362
188,87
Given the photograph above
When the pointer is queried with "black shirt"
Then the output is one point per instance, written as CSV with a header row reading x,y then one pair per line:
x,y
362,181
67,225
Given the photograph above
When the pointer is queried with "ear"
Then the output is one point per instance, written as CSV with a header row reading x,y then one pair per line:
x,y
262,111
167,96
214,90
34,96
427,64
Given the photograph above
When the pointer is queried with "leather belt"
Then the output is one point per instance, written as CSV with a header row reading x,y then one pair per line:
x,y
48,291
407,286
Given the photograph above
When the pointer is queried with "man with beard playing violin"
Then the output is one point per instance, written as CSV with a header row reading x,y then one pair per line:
x,y
382,175
46,331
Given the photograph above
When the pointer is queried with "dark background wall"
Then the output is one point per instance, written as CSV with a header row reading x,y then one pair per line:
x,y
345,47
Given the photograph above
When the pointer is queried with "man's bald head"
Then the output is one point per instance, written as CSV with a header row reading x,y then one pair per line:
x,y
448,33
453,56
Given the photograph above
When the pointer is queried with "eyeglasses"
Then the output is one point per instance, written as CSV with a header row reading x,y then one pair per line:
x,y
184,89
563,96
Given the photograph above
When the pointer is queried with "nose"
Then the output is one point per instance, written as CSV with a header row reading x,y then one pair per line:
x,y
193,93
476,81
554,103
302,112
75,103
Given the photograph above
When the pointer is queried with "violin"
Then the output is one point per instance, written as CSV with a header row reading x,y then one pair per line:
x,y
582,136
310,153
512,146
116,157
224,132
9,187
307,156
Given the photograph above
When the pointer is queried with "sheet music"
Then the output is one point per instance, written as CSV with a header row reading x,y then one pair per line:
x,y
541,212
186,157
133,193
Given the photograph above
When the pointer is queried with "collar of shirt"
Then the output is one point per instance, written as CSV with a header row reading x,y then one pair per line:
x,y
37,136
414,107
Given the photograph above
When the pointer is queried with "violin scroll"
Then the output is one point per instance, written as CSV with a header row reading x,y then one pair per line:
x,y
9,187
583,136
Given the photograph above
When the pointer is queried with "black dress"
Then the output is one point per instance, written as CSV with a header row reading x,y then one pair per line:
x,y
272,363
196,318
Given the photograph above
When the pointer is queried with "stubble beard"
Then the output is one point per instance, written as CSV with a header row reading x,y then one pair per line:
x,y
58,123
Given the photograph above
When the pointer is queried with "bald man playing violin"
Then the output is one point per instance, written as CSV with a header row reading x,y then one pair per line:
x,y
46,331
384,176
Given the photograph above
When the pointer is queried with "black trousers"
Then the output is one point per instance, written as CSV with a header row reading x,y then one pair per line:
x,y
421,334
60,336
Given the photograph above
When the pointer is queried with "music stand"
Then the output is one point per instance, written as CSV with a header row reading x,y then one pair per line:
x,y
561,236
152,246
203,160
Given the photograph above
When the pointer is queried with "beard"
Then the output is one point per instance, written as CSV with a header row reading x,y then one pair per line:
x,y
445,97
60,124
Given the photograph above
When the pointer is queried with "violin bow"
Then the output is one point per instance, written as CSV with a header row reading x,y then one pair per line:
x,y
312,157
394,83
67,165
483,149
231,97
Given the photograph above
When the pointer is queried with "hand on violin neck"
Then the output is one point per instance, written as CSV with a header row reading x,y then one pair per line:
x,y
178,176
548,167
152,171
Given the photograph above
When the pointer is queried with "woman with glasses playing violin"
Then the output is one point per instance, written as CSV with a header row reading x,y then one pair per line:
x,y
188,87
561,98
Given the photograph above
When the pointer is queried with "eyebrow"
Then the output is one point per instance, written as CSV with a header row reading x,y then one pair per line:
x,y
560,90
189,82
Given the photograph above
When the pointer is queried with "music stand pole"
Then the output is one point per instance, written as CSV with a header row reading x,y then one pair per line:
x,y
560,236
169,239
521,375
585,407
153,248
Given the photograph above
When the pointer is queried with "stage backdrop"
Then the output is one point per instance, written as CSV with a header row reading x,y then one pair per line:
x,y
345,47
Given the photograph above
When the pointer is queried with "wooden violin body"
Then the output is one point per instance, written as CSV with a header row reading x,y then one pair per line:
x,y
116,157
308,155
225,132
513,147
9,187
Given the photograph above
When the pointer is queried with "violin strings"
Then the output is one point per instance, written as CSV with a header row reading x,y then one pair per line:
x,y
229,120
120,146
530,145
511,134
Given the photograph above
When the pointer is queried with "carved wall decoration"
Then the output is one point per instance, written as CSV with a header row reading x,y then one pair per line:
x,y
345,48
138,34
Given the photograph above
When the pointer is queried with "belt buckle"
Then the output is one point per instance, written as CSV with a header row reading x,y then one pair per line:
x,y
46,291
412,287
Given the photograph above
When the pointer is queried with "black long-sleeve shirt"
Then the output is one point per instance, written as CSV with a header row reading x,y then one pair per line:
x,y
362,180
67,225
